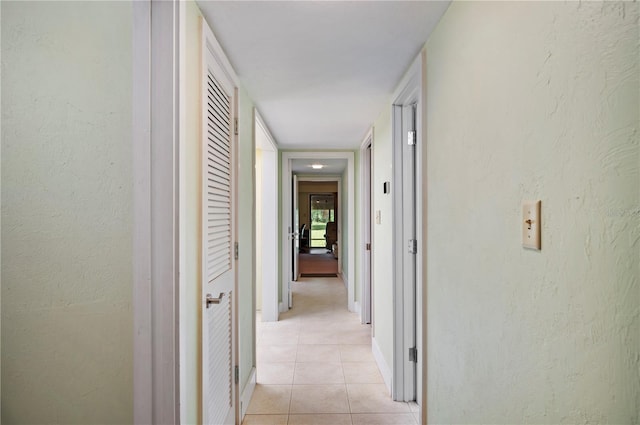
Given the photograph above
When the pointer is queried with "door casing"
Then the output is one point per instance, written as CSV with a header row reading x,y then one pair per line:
x,y
412,90
156,124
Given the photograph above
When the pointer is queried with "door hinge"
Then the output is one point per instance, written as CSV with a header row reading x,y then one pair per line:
x,y
235,125
413,246
412,137
413,354
236,250
368,247
237,375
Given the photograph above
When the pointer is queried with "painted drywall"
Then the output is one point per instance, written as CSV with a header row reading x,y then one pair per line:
x,y
533,100
190,212
246,239
259,228
382,238
67,328
317,187
267,235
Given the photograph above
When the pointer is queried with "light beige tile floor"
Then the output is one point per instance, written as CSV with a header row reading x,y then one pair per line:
x,y
315,366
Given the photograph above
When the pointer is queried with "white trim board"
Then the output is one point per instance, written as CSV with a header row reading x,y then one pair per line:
x,y
156,248
286,216
273,145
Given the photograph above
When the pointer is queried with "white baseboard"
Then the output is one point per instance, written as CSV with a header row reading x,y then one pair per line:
x,y
245,398
382,364
357,308
282,307
344,279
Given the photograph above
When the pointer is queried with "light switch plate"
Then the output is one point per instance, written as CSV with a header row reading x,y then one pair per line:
x,y
531,224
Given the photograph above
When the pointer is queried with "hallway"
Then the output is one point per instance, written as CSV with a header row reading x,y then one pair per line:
x,y
315,365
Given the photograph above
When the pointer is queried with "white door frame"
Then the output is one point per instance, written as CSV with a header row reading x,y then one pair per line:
x,y
269,249
155,207
366,218
287,157
412,89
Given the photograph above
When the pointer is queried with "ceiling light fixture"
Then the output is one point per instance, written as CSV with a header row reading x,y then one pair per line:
x,y
317,166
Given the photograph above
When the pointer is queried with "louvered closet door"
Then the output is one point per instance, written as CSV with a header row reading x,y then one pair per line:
x,y
218,217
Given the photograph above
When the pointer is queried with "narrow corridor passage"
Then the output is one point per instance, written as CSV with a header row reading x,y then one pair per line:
x,y
315,365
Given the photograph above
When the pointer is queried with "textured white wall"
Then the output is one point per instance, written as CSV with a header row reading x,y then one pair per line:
x,y
259,228
246,238
67,327
534,101
382,238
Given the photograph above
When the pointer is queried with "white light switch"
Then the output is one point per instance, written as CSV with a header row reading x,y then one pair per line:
x,y
378,217
531,224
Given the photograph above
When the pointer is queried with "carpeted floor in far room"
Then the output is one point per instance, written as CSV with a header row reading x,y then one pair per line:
x,y
318,264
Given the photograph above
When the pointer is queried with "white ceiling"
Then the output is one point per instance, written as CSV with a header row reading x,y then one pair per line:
x,y
320,72
333,167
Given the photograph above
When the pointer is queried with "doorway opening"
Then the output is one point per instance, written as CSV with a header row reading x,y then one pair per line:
x,y
323,232
335,166
318,210
319,213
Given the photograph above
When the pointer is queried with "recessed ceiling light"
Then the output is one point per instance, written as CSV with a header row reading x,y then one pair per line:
x,y
317,166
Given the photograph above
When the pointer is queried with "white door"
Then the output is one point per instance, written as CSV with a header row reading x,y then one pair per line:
x,y
218,236
366,303
295,235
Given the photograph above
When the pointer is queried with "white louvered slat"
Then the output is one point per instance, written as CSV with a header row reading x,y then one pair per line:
x,y
218,178
220,348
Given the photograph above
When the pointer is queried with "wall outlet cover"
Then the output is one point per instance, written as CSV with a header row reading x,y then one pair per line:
x,y
531,224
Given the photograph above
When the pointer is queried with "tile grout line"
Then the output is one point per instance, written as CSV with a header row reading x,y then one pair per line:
x,y
346,389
